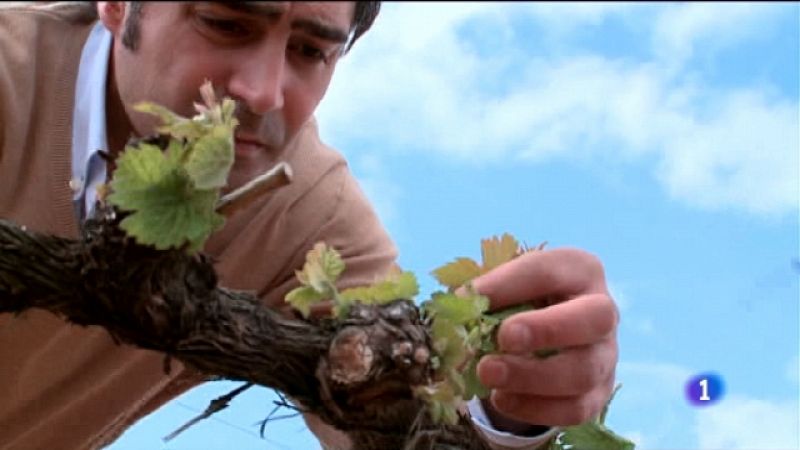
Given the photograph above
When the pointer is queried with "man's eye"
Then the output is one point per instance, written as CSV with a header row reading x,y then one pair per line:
x,y
309,52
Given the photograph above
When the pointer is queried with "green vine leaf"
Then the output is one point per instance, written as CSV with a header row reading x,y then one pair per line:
x,y
179,127
457,309
391,288
395,286
457,273
167,212
593,436
303,298
473,385
322,268
171,194
211,158
449,342
318,277
438,397
496,251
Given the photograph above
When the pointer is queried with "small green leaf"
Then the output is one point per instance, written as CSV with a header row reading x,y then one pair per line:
x,y
472,384
393,287
457,309
436,411
322,268
503,314
496,251
404,285
449,343
139,167
341,306
456,381
172,124
211,158
302,298
594,436
457,273
318,279
442,401
449,414
167,117
166,211
487,327
175,152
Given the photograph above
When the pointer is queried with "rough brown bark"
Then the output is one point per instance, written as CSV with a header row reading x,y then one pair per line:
x,y
356,374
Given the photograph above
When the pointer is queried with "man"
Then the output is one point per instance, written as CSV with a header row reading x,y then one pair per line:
x,y
68,80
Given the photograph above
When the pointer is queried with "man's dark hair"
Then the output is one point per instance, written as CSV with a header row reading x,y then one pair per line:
x,y
364,15
130,35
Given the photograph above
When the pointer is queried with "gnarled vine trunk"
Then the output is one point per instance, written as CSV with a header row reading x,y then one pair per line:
x,y
355,374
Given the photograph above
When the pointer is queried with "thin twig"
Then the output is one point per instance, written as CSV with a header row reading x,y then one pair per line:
x,y
264,422
216,405
276,177
279,404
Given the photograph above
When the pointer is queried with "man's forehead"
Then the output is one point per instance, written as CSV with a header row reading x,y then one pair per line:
x,y
327,20
338,13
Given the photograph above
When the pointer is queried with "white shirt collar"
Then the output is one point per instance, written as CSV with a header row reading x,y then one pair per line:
x,y
89,120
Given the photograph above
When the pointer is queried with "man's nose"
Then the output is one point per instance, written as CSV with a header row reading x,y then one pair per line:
x,y
259,82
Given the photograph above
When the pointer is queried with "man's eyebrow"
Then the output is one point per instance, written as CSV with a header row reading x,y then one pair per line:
x,y
269,10
321,30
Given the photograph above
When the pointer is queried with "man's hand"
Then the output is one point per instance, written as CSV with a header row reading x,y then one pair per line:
x,y
580,320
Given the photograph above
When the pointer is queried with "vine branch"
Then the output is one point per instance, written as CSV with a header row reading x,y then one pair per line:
x,y
170,301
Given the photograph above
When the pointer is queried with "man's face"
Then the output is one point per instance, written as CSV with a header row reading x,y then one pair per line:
x,y
275,58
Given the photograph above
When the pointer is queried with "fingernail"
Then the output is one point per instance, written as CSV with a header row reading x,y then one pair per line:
x,y
518,338
495,373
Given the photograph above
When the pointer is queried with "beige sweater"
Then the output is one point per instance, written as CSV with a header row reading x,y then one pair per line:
x,y
67,387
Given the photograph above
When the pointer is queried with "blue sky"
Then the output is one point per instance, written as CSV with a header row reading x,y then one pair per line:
x,y
662,137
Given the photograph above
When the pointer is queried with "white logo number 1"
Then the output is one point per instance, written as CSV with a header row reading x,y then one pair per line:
x,y
704,396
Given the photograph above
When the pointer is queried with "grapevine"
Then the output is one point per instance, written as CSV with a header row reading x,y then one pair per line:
x,y
139,272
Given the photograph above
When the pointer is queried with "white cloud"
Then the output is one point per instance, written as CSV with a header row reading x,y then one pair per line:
x,y
745,156
739,422
682,27
651,386
414,84
576,14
